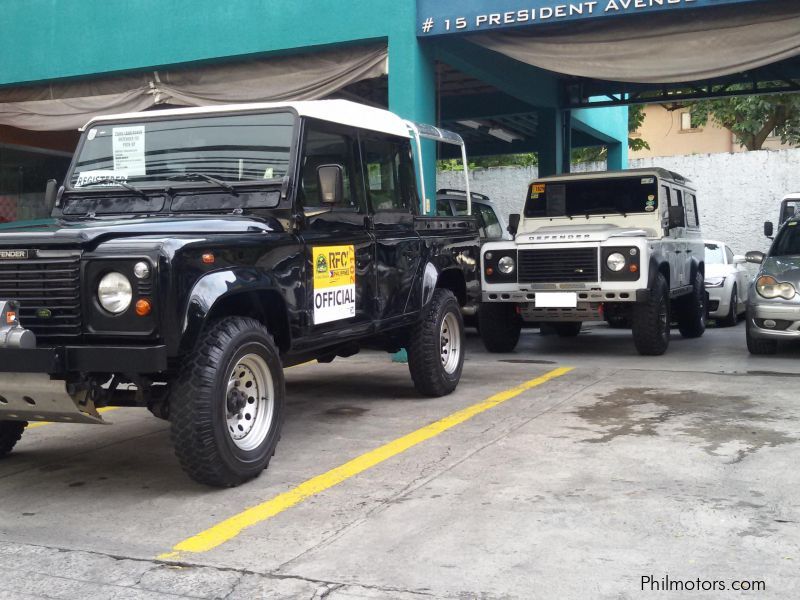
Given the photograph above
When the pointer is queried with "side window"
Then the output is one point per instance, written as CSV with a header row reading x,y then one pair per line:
x,y
678,198
665,191
443,208
325,146
691,214
729,255
695,211
491,223
389,173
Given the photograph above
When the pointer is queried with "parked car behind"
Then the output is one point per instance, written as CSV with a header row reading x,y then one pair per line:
x,y
727,283
773,307
453,203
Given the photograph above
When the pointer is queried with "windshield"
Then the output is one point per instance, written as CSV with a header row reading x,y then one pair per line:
x,y
619,195
714,254
788,241
230,148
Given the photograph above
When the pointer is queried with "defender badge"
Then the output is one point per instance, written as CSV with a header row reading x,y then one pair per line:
x,y
14,254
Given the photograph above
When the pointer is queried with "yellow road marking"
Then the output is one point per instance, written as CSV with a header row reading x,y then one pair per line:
x,y
233,526
302,364
43,423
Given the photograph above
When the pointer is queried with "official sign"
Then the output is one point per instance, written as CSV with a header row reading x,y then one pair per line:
x,y
442,17
334,283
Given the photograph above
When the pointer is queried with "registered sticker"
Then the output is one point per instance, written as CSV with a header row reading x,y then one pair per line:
x,y
539,188
334,283
648,180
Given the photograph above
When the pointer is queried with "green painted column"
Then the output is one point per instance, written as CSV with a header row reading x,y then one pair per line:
x,y
618,156
412,95
555,141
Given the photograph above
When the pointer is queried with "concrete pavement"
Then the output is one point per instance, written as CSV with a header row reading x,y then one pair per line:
x,y
626,467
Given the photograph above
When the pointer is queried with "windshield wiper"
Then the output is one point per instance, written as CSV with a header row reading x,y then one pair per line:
x,y
194,176
123,184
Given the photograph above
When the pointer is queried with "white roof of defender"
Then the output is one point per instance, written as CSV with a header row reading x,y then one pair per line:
x,y
343,112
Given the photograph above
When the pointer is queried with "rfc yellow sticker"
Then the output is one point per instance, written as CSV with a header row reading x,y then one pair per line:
x,y
334,283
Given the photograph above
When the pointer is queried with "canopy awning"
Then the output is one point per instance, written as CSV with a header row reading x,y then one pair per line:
x,y
69,105
680,46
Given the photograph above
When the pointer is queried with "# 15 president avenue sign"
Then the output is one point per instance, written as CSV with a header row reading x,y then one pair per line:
x,y
442,17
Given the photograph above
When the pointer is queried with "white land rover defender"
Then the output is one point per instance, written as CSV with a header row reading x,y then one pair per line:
x,y
624,247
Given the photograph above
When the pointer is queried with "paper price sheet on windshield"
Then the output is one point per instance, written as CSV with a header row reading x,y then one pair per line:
x,y
334,283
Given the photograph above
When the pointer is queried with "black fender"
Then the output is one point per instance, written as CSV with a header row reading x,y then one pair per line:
x,y
657,264
452,279
240,291
697,267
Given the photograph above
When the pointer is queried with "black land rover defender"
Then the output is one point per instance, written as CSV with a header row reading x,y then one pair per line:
x,y
194,253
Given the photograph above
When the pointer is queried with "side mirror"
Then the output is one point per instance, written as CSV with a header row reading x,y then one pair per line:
x,y
755,257
769,229
331,183
513,224
739,259
677,218
50,195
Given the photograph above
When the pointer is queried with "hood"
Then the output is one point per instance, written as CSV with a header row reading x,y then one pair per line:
x,y
783,268
68,232
718,270
595,232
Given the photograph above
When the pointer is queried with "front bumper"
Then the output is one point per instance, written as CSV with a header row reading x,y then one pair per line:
x,y
776,321
506,293
61,360
33,386
719,302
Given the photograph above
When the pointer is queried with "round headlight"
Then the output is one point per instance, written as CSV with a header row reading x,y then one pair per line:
x,y
506,265
114,293
141,270
615,262
769,287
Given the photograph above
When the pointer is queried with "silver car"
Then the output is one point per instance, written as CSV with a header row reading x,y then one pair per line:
x,y
773,309
727,281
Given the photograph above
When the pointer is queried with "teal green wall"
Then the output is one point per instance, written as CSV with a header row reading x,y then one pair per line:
x,y
54,39
609,125
46,39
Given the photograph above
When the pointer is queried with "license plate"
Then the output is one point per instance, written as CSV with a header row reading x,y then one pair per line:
x,y
556,300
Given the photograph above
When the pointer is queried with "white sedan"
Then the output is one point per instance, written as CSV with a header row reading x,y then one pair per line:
x,y
727,283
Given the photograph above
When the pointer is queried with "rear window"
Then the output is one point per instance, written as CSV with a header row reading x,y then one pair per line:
x,y
714,255
619,195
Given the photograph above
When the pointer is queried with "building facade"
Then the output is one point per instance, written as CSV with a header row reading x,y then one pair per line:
x,y
670,133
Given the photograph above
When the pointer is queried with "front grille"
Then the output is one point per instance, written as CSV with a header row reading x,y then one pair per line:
x,y
48,292
557,266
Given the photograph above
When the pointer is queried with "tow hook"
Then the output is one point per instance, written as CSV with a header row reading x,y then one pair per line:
x,y
12,333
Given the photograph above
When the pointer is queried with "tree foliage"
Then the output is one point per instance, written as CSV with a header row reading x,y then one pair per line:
x,y
752,119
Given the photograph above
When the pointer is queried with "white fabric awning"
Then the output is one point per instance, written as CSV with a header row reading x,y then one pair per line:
x,y
69,105
682,46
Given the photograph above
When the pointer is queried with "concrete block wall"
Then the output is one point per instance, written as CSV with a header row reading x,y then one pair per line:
x,y
736,192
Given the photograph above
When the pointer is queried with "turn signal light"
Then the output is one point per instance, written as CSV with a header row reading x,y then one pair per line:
x,y
634,268
143,307
489,271
11,318
208,258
